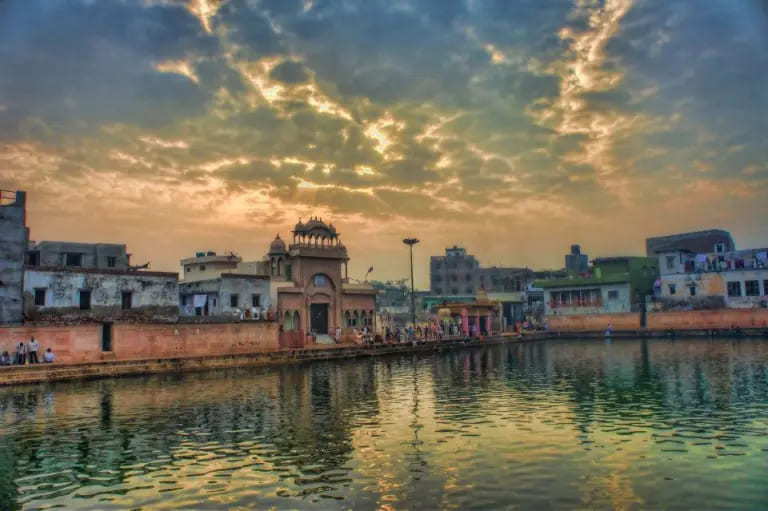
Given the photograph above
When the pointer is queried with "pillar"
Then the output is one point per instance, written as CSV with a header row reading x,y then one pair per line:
x,y
477,323
488,323
464,322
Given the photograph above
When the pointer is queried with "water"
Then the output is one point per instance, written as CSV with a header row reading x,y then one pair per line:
x,y
554,425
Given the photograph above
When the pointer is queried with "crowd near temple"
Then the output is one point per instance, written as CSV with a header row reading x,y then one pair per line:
x,y
302,286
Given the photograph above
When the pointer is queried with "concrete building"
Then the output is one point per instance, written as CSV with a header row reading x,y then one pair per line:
x,y
454,274
209,265
14,237
230,295
66,294
78,255
699,242
735,279
576,261
614,285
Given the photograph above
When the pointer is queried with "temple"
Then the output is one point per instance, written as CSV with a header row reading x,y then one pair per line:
x,y
310,279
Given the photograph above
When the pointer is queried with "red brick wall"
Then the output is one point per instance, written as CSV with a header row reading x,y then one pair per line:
x,y
721,318
131,341
627,321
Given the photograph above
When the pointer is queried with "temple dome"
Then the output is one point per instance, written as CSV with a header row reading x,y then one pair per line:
x,y
277,246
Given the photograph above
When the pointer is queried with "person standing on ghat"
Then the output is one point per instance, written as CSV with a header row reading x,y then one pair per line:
x,y
33,348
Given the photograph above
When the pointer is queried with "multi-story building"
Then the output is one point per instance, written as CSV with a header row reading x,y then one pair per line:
x,y
614,285
735,279
699,242
14,236
455,273
576,261
78,255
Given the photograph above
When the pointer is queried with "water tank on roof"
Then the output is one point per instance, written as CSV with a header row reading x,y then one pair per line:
x,y
575,249
199,254
211,253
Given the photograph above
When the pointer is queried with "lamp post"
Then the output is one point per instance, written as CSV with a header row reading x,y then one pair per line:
x,y
411,242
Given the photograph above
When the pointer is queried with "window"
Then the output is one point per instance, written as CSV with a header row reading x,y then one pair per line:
x,y
454,291
40,297
670,263
692,290
72,259
437,278
183,300
320,280
613,295
439,290
752,288
188,269
765,288
111,261
127,300
233,300
719,247
106,337
85,300
33,258
288,272
734,289
468,277
255,300
454,278
202,267
672,289
469,290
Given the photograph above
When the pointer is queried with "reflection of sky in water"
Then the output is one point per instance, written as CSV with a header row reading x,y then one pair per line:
x,y
629,424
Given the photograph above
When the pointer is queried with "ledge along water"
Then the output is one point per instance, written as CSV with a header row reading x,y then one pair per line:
x,y
654,423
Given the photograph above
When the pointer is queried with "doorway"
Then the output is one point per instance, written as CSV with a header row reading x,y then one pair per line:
x,y
319,317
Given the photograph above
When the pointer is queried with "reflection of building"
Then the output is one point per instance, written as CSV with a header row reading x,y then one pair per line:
x,y
615,284
699,242
576,261
312,292
736,279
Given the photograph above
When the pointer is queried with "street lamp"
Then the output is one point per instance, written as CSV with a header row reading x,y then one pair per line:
x,y
411,242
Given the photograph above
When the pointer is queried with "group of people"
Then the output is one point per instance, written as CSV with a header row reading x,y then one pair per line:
x,y
27,353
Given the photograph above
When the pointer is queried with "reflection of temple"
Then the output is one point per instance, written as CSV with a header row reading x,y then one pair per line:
x,y
312,292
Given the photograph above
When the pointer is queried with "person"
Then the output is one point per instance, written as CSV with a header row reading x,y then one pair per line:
x,y
609,330
21,354
48,356
337,334
33,348
5,359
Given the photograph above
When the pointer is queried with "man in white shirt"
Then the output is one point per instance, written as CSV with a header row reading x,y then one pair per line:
x,y
33,348
48,356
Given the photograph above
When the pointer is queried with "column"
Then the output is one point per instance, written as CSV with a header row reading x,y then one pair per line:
x,y
488,323
464,322
477,323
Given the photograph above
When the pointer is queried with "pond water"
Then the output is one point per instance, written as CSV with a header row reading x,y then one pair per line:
x,y
628,424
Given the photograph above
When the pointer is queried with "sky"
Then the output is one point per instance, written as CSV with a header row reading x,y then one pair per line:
x,y
511,127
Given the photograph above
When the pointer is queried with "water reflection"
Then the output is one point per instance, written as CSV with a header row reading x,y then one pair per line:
x,y
620,425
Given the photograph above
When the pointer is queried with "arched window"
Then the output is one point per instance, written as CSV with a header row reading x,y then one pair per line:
x,y
288,321
279,265
296,320
355,319
346,319
363,319
370,319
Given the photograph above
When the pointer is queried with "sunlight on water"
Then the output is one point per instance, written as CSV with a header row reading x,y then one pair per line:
x,y
590,425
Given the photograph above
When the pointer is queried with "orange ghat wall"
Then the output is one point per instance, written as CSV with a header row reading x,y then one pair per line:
x,y
722,318
627,321
132,341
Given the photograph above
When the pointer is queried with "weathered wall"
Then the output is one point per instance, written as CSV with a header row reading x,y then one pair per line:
x,y
94,255
244,286
619,304
626,321
13,243
722,318
82,343
153,294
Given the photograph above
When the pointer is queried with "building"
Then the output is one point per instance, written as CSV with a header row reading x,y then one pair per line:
x,y
613,285
699,242
69,294
209,265
14,236
576,261
455,273
78,255
735,279
231,295
314,294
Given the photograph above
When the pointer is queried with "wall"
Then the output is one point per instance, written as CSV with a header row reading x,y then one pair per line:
x,y
244,286
609,306
153,293
626,321
13,243
82,343
94,255
722,318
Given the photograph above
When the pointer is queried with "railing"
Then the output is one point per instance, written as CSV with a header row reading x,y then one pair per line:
x,y
576,303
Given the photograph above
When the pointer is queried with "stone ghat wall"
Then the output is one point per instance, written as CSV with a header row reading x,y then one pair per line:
x,y
575,322
83,343
675,320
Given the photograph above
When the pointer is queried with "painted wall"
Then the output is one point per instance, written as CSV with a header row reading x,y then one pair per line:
x,y
13,243
722,318
625,321
83,343
152,293
220,290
